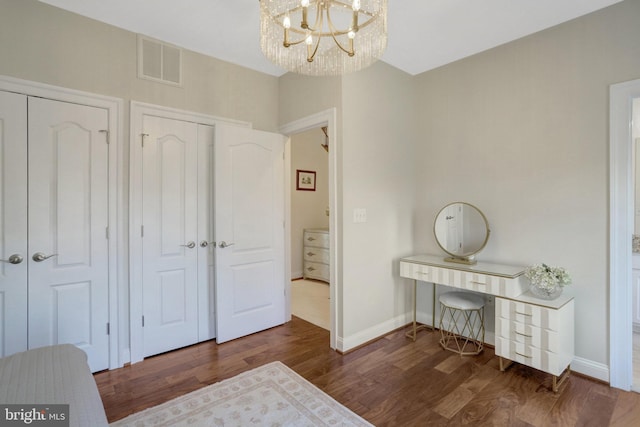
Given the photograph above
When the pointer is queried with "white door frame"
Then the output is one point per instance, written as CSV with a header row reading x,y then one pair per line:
x,y
117,240
323,118
137,110
620,230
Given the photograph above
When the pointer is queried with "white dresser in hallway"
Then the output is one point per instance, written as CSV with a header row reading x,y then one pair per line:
x,y
316,254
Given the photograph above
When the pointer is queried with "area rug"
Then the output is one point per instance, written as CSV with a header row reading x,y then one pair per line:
x,y
271,395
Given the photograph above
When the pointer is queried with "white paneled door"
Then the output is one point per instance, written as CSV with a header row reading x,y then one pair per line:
x,y
249,230
170,234
54,277
13,223
68,218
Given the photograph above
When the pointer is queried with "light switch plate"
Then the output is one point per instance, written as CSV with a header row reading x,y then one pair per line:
x,y
359,215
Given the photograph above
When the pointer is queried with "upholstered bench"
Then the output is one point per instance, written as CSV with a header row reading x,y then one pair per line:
x,y
56,374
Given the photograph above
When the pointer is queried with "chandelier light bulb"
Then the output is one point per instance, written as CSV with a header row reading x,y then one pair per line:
x,y
286,22
304,3
355,5
309,40
351,34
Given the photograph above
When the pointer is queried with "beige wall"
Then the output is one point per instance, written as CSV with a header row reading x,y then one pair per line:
x,y
521,131
46,44
379,136
376,133
308,208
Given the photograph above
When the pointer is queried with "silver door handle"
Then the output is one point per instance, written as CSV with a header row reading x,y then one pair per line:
x,y
190,245
224,244
204,244
39,256
13,259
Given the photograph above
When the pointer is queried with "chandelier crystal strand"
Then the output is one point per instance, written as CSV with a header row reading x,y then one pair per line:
x,y
323,37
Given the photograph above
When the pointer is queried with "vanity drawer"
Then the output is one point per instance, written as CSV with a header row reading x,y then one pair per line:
x,y
528,314
543,339
548,361
415,271
318,240
472,281
316,255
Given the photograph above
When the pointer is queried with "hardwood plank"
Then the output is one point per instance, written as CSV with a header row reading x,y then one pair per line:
x,y
393,381
627,410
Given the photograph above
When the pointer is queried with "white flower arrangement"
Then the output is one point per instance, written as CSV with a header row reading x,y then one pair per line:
x,y
547,278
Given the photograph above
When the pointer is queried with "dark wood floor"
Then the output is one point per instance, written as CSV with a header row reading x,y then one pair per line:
x,y
390,382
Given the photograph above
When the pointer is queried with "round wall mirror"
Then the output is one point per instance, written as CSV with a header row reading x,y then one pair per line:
x,y
462,231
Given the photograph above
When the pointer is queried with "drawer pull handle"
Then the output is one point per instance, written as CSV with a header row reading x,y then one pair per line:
x,y
422,272
311,239
310,269
311,254
524,314
477,283
524,355
524,335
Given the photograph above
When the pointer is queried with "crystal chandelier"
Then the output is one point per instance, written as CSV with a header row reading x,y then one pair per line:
x,y
323,37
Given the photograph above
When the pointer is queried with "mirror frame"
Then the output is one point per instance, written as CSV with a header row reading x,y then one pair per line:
x,y
468,258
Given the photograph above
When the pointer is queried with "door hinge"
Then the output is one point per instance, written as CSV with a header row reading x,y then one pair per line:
x,y
108,328
107,231
142,231
143,135
105,132
143,321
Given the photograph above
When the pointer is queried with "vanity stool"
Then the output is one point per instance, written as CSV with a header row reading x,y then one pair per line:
x,y
468,308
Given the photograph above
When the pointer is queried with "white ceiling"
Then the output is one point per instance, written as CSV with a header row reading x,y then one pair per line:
x,y
423,34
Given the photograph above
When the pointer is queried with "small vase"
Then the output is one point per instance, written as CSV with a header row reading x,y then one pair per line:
x,y
547,294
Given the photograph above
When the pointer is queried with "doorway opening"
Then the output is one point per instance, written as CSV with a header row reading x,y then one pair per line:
x,y
310,261
635,263
328,119
621,227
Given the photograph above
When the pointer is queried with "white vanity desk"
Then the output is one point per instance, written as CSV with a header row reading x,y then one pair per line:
x,y
531,331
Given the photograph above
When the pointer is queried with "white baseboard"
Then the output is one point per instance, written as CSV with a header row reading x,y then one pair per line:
x,y
345,344
592,369
296,275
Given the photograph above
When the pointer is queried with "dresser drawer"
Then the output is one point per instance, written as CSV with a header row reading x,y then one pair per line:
x,y
544,339
528,314
316,255
535,357
316,270
318,240
472,281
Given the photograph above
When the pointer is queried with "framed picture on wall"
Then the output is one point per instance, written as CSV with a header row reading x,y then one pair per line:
x,y
305,180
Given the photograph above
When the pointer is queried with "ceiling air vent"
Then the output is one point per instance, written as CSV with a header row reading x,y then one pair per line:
x,y
159,61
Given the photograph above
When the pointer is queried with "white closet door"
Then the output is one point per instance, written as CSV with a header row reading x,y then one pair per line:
x,y
68,218
170,240
249,229
13,223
